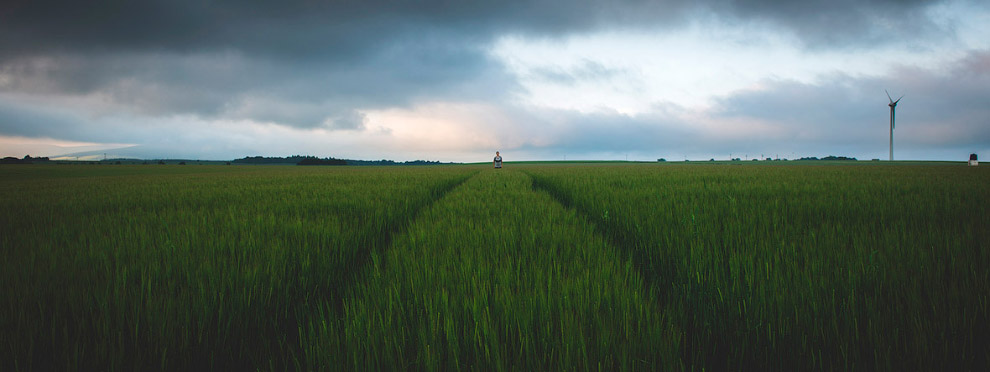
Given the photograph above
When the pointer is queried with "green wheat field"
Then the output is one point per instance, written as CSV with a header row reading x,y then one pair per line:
x,y
604,266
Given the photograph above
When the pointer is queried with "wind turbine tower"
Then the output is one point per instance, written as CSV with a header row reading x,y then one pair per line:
x,y
893,105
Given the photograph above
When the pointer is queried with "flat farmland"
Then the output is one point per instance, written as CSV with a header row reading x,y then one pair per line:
x,y
531,267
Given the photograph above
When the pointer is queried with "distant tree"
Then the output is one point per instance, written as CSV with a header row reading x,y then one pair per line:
x,y
317,161
661,160
182,163
312,160
833,157
161,162
419,162
27,159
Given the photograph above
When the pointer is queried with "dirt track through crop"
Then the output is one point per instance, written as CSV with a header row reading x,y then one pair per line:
x,y
384,240
496,275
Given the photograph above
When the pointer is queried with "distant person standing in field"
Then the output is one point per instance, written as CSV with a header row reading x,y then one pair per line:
x,y
498,160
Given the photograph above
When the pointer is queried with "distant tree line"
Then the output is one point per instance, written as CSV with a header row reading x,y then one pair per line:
x,y
250,160
317,161
830,157
26,160
391,162
261,160
312,160
294,159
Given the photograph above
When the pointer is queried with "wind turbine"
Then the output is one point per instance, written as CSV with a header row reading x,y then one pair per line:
x,y
893,105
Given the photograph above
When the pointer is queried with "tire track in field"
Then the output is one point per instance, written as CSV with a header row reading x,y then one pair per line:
x,y
516,281
353,273
384,239
619,239
651,271
660,275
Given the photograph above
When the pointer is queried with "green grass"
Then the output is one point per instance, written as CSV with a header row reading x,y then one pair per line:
x,y
148,268
804,267
498,276
544,266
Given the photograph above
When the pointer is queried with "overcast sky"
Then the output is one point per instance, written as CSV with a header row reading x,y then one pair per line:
x,y
458,80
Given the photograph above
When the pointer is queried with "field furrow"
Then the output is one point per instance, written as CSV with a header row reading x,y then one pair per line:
x,y
497,276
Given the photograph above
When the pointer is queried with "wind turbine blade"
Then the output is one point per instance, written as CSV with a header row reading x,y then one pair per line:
x,y
898,99
888,95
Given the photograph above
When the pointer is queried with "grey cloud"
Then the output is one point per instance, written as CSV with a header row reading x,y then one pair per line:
x,y
940,109
831,110
153,83
313,64
830,23
296,27
943,114
348,120
186,56
346,30
230,84
613,131
548,133
584,71
158,138
18,121
32,119
666,132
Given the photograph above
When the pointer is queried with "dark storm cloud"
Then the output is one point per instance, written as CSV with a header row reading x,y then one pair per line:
x,y
314,64
837,23
408,43
301,64
230,84
334,29
345,29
